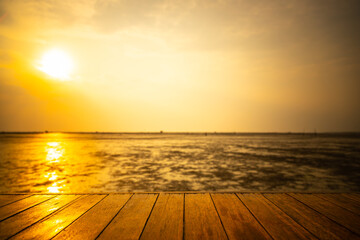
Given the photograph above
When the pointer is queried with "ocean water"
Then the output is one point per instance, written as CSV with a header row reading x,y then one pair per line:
x,y
69,162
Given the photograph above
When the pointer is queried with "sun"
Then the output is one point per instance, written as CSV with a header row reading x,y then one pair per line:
x,y
57,64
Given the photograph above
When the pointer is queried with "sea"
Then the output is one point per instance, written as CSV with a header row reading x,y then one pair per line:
x,y
146,162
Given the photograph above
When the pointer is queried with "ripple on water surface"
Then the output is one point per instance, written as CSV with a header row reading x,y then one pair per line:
x,y
62,162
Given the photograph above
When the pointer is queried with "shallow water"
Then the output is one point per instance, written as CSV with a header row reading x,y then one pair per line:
x,y
62,162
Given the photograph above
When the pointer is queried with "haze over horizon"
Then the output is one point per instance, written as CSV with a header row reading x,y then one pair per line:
x,y
180,66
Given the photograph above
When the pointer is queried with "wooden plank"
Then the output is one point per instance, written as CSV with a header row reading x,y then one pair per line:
x,y
355,197
318,224
6,199
201,218
130,221
238,222
278,224
49,227
15,224
166,220
340,215
90,225
347,203
21,205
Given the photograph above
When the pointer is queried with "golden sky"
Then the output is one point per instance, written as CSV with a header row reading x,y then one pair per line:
x,y
182,65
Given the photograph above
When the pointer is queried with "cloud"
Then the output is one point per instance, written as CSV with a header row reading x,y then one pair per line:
x,y
235,19
260,54
111,16
187,24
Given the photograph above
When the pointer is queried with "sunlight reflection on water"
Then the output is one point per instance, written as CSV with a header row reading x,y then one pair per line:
x,y
60,162
54,151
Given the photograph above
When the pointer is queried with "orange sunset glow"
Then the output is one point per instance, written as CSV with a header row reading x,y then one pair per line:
x,y
181,65
179,119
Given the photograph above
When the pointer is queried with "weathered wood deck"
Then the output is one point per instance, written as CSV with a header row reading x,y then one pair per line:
x,y
180,216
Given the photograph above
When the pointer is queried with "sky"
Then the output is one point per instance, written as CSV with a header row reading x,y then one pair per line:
x,y
182,65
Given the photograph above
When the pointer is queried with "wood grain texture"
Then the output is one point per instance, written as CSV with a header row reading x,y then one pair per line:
x,y
321,226
21,205
98,218
201,218
340,215
238,222
166,220
15,224
130,221
6,199
347,203
181,216
353,196
278,224
49,227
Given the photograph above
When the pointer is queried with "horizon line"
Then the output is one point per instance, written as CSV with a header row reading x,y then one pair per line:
x,y
182,132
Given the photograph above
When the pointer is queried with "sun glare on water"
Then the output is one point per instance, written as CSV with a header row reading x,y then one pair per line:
x,y
57,64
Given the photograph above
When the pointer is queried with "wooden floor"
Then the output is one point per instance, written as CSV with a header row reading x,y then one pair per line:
x,y
180,216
